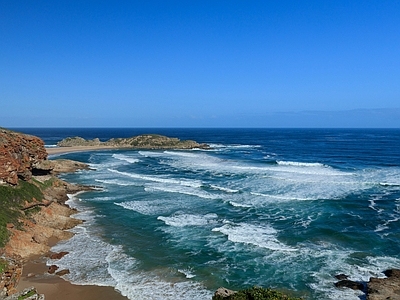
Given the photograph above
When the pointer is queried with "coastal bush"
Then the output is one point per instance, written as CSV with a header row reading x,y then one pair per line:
x,y
12,199
27,295
3,265
256,293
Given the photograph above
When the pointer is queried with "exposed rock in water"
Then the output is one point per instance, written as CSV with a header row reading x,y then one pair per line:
x,y
377,288
341,277
350,284
145,141
52,269
62,272
58,255
67,166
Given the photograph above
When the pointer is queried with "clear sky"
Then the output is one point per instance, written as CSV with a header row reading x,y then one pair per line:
x,y
68,63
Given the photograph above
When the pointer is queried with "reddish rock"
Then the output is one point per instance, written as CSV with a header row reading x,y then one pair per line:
x,y
58,255
52,269
20,154
62,272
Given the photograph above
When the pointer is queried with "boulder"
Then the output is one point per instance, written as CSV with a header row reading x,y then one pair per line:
x,y
223,293
52,269
62,272
349,284
58,255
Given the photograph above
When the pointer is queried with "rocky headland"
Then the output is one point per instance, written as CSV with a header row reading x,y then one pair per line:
x,y
32,206
144,141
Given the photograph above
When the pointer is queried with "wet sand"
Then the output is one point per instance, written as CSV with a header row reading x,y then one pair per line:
x,y
55,288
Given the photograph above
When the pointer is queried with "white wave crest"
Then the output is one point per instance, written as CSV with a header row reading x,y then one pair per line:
x,y
300,164
188,220
181,190
260,236
126,158
184,182
224,189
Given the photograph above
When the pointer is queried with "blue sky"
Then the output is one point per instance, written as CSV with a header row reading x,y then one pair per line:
x,y
199,63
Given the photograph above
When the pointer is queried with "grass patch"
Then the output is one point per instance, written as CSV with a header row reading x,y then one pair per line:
x,y
257,293
27,295
3,265
12,199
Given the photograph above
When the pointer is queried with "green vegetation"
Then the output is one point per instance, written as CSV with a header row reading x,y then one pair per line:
x,y
46,184
3,265
257,293
12,199
27,295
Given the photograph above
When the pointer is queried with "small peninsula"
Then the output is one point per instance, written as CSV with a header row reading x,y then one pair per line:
x,y
144,141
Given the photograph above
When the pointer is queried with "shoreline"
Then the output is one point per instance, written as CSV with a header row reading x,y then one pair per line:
x,y
44,230
57,288
65,150
35,273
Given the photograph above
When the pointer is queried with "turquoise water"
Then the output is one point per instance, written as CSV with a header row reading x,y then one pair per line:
x,y
281,208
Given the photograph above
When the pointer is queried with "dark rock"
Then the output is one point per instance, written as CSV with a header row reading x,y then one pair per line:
x,y
52,269
392,273
62,272
58,255
350,284
341,277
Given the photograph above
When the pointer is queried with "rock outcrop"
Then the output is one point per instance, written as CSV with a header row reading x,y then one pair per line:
x,y
32,209
27,294
11,269
377,288
145,141
21,155
385,288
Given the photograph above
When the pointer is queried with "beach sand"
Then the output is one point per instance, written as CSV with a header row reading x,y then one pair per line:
x,y
63,150
55,288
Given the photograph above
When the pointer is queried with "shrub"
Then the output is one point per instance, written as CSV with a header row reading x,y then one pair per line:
x,y
257,293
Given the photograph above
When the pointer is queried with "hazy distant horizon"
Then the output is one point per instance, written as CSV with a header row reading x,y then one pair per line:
x,y
361,118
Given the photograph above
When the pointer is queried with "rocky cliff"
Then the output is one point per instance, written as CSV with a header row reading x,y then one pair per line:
x,y
32,209
145,141
21,155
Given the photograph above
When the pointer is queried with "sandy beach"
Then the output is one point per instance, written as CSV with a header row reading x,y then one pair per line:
x,y
55,288
63,150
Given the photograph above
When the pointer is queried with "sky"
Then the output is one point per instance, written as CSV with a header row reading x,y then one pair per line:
x,y
218,63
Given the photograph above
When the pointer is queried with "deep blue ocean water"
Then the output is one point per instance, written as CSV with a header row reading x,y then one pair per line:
x,y
281,208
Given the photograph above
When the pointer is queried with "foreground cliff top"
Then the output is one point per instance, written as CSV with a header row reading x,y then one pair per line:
x,y
144,141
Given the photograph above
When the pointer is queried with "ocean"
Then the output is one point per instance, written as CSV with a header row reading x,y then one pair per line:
x,y
281,208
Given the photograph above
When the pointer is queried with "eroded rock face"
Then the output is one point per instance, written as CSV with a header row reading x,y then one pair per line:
x,y
20,155
385,288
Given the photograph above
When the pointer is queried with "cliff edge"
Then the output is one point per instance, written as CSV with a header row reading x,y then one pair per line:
x,y
21,155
